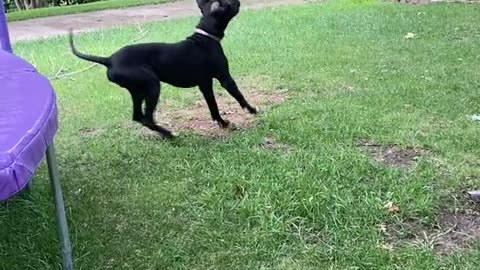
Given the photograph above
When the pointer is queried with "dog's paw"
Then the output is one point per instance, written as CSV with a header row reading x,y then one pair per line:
x,y
166,134
250,109
224,123
137,118
253,110
233,127
169,136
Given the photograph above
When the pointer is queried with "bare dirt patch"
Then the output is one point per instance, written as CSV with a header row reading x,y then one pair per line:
x,y
413,2
455,230
423,2
464,231
89,131
196,118
392,155
270,143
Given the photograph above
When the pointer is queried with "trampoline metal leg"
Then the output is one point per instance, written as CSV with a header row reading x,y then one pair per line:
x,y
28,187
62,227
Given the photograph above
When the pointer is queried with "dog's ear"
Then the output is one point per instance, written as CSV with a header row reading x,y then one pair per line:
x,y
202,5
229,7
234,6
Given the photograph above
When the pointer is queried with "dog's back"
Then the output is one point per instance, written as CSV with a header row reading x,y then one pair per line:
x,y
182,64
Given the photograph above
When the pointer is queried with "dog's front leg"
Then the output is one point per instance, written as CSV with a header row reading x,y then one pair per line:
x,y
229,84
207,91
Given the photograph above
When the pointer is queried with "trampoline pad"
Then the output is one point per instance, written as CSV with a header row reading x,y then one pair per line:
x,y
28,122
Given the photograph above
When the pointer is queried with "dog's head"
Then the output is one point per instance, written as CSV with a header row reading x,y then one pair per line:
x,y
221,9
217,14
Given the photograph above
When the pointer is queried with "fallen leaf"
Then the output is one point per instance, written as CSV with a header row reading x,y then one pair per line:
x,y
391,207
239,192
388,247
410,35
394,209
475,117
383,228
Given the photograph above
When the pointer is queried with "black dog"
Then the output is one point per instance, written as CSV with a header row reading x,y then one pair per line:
x,y
196,61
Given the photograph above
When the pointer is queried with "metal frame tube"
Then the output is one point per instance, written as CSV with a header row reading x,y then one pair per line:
x,y
4,36
62,227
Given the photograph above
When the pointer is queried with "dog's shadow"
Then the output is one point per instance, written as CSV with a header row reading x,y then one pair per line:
x,y
190,138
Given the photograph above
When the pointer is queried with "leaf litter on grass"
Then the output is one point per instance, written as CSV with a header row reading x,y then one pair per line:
x,y
455,230
392,155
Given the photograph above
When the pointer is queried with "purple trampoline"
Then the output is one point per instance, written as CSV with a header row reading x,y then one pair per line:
x,y
28,124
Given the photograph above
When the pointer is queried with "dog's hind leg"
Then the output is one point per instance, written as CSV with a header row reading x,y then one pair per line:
x,y
137,107
151,100
133,83
207,91
142,85
229,84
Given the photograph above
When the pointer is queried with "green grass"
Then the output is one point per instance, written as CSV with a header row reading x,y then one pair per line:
x,y
74,9
142,203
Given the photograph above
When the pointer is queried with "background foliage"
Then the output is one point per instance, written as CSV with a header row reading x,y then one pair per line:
x,y
13,5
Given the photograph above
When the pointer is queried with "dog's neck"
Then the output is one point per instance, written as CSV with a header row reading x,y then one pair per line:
x,y
212,27
205,33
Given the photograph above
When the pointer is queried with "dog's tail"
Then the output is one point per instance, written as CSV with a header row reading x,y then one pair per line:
x,y
92,58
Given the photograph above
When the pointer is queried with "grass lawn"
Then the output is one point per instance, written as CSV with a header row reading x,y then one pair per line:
x,y
88,7
137,202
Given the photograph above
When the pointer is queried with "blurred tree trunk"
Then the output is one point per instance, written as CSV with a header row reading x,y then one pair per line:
x,y
39,3
32,4
19,4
